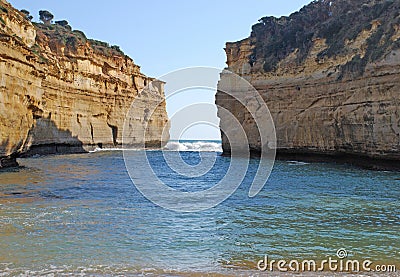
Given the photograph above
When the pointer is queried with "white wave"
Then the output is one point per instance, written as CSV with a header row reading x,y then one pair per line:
x,y
195,146
297,163
115,149
105,150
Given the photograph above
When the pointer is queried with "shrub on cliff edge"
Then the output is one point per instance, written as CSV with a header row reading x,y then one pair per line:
x,y
46,17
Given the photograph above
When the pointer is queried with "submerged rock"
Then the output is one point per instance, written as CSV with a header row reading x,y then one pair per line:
x,y
8,162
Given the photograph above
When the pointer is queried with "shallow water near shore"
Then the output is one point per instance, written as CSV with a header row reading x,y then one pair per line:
x,y
81,214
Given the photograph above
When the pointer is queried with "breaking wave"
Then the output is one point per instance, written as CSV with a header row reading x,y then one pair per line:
x,y
194,146
297,163
188,146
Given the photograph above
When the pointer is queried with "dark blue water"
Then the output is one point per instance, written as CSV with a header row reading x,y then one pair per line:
x,y
82,214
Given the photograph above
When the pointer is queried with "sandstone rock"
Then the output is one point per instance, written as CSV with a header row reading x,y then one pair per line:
x,y
336,93
62,93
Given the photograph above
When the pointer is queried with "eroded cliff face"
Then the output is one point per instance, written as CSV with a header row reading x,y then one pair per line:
x,y
330,75
61,93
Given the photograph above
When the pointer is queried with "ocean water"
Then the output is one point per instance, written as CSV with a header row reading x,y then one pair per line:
x,y
81,215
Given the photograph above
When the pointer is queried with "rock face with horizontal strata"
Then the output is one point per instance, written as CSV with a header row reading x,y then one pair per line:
x,y
332,87
63,93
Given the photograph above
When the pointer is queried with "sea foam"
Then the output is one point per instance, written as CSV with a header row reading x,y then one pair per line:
x,y
194,146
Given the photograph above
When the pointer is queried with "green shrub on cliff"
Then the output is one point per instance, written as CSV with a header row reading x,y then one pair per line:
x,y
46,16
98,43
104,48
80,34
27,14
64,23
60,34
336,21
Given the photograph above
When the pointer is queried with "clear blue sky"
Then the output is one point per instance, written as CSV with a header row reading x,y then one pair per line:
x,y
163,36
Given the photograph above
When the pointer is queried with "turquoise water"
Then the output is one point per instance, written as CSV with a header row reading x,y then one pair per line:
x,y
82,214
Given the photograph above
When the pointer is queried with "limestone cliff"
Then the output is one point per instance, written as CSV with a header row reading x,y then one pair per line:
x,y
60,92
330,75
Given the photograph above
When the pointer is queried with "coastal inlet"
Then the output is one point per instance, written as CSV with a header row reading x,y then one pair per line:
x,y
81,214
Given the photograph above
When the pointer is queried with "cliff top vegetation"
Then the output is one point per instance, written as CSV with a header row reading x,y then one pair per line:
x,y
336,21
61,34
